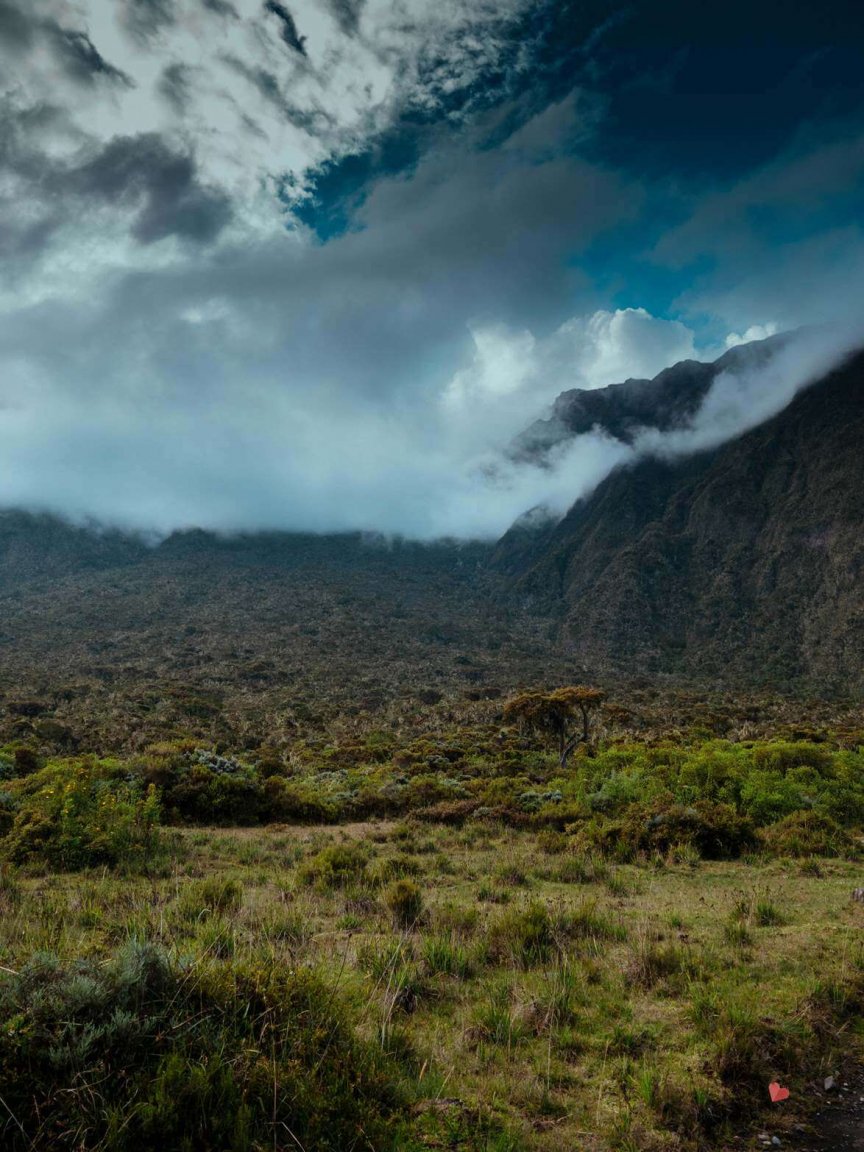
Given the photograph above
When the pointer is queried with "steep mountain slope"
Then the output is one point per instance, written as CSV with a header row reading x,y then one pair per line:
x,y
745,563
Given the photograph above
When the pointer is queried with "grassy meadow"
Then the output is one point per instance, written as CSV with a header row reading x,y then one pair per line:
x,y
447,942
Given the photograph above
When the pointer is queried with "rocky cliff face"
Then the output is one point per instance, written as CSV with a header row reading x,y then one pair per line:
x,y
745,563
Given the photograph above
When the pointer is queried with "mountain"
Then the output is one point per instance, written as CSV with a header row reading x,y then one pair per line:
x,y
622,410
736,567
743,564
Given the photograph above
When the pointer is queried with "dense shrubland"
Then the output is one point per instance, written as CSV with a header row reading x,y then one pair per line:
x,y
626,799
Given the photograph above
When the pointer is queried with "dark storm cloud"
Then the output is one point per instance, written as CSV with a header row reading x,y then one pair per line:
x,y
16,29
145,173
265,82
175,86
145,19
159,186
347,14
289,28
24,241
81,60
74,51
222,8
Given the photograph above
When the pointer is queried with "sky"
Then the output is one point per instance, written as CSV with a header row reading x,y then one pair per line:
x,y
312,265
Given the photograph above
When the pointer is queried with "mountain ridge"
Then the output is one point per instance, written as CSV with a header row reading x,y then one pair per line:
x,y
756,543
666,402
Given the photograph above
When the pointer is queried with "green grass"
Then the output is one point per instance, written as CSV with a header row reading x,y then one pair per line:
x,y
622,956
570,1016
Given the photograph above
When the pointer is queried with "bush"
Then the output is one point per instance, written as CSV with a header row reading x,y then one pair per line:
x,y
808,834
654,961
81,813
202,787
716,831
405,901
213,895
285,802
134,1055
446,956
522,936
337,866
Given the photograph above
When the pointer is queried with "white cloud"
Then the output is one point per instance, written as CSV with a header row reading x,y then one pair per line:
x,y
236,447
263,380
513,376
744,397
252,107
754,332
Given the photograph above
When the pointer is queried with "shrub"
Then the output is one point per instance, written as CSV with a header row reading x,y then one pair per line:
x,y
286,801
575,869
560,997
336,866
396,868
81,813
654,962
457,920
135,1055
522,936
214,894
808,834
405,901
200,786
717,831
446,956
586,923
496,1020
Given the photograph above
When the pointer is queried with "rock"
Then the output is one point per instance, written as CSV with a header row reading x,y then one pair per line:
x,y
830,1083
776,1141
858,894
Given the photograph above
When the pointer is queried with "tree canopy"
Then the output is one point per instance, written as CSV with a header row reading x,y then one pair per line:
x,y
563,715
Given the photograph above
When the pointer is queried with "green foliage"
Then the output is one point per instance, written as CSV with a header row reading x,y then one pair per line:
x,y
201,786
140,1054
287,801
716,831
210,896
655,961
496,1020
447,956
706,798
405,902
564,715
523,937
805,834
81,813
336,866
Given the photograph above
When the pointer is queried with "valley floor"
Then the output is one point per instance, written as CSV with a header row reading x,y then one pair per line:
x,y
531,997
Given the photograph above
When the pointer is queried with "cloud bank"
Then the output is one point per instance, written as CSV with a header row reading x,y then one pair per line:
x,y
313,265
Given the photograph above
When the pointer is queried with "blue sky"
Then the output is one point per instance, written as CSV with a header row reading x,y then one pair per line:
x,y
313,264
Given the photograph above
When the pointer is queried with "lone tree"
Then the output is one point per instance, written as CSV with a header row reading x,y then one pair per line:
x,y
564,715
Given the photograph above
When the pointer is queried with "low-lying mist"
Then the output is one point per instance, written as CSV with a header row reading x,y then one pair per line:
x,y
239,450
